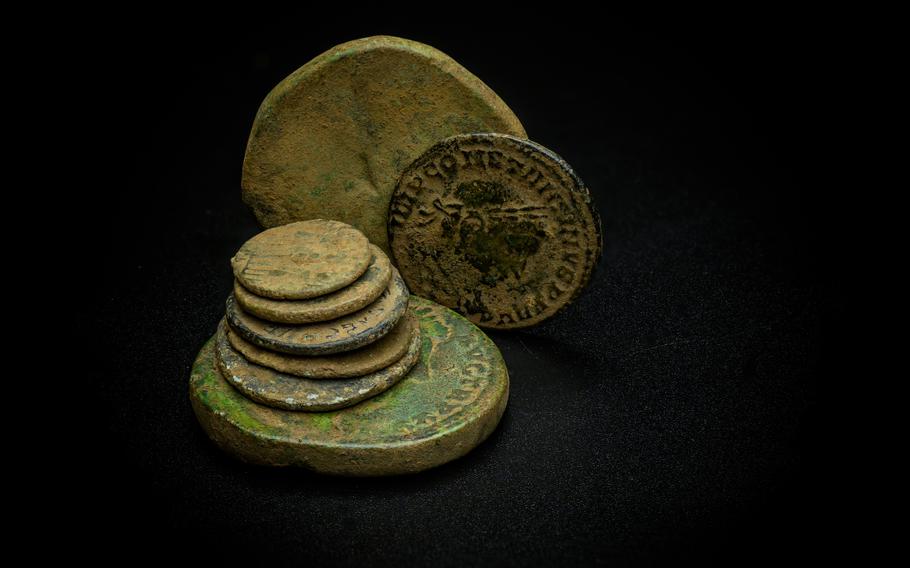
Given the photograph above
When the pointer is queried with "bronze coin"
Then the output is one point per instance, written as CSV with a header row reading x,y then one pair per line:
x,y
359,362
333,137
500,229
450,402
363,291
290,392
302,260
322,338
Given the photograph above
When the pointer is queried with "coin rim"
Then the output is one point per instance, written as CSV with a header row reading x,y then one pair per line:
x,y
269,308
348,343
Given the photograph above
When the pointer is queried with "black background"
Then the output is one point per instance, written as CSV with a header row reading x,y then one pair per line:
x,y
673,413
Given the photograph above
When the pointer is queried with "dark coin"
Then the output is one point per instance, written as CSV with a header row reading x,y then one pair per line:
x,y
290,392
302,260
372,357
322,338
332,138
499,228
451,401
322,308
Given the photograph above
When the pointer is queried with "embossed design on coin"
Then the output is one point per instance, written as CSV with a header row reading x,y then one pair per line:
x,y
322,338
499,228
302,260
289,392
451,400
330,306
355,363
333,137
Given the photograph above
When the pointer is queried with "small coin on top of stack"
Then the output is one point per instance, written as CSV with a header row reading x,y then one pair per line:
x,y
317,319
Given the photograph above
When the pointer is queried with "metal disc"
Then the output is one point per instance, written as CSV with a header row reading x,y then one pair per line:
x,y
496,227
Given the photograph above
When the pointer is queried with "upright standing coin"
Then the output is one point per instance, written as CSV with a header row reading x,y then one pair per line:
x,y
302,260
451,401
500,229
330,306
290,392
332,138
322,338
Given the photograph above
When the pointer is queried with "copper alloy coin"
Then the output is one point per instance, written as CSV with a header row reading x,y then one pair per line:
x,y
322,308
332,138
302,260
322,338
367,359
278,390
450,401
496,227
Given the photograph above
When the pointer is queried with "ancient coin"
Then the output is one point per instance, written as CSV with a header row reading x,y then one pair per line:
x,y
359,362
332,138
363,291
451,401
500,229
290,392
322,338
302,260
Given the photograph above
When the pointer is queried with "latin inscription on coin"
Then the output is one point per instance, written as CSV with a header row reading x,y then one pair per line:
x,y
302,260
335,336
499,228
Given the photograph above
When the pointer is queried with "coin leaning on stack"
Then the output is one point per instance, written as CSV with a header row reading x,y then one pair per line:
x,y
317,319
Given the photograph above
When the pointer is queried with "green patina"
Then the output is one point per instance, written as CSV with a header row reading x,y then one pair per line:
x,y
427,406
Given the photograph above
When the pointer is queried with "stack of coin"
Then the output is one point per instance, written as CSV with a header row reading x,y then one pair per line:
x,y
317,320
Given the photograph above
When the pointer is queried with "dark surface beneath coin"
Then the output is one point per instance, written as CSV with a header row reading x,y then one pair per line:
x,y
670,415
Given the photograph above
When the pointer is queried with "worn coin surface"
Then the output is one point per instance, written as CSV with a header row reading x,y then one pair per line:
x,y
290,392
451,401
363,291
332,138
322,338
302,260
499,228
367,359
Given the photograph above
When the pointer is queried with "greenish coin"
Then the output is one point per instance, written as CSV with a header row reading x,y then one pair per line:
x,y
451,400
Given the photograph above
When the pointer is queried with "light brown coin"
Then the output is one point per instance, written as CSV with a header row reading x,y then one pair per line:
x,y
322,308
333,137
496,227
346,333
355,363
289,392
302,260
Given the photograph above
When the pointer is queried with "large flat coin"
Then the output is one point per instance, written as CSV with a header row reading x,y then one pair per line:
x,y
279,390
451,401
302,260
362,292
500,229
367,359
332,139
322,338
